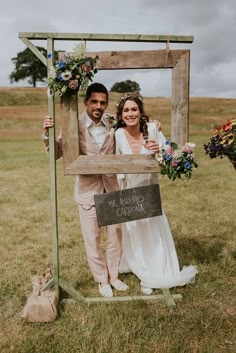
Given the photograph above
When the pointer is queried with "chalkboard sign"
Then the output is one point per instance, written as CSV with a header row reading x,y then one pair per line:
x,y
128,205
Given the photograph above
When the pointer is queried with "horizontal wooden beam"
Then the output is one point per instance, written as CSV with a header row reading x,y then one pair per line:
x,y
115,164
153,38
145,59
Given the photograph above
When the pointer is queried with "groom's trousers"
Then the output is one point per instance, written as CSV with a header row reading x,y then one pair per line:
x,y
103,267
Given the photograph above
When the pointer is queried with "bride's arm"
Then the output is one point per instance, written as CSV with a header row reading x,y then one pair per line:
x,y
156,134
120,177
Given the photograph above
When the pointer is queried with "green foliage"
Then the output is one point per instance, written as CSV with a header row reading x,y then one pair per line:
x,y
28,66
126,86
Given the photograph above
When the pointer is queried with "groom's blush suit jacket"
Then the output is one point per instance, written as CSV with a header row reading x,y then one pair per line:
x,y
86,186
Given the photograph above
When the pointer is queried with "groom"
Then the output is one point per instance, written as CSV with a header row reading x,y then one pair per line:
x,y
96,137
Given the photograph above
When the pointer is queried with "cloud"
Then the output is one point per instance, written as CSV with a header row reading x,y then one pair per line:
x,y
211,23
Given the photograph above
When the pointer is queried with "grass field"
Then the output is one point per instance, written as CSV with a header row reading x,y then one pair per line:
x,y
202,216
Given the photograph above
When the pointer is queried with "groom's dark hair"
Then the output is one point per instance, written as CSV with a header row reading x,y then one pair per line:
x,y
96,88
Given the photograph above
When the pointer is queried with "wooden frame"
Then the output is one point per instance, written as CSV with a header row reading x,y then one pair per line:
x,y
177,60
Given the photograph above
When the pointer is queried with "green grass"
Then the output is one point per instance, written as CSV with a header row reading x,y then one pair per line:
x,y
201,212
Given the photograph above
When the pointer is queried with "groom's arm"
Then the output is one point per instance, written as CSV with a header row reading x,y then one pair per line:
x,y
47,124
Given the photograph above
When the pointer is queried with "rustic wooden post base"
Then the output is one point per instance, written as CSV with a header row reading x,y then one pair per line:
x,y
77,297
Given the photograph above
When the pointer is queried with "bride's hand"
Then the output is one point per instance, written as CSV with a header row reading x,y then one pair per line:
x,y
152,146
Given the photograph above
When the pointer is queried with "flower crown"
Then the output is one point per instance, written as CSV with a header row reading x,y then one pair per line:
x,y
129,96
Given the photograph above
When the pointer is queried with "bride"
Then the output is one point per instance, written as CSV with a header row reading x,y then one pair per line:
x,y
148,247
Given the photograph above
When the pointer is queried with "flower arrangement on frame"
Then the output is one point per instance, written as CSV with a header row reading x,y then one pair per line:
x,y
73,72
176,160
223,142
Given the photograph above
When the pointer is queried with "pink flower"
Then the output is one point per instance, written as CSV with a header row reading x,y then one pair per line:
x,y
86,68
174,163
188,149
73,84
169,151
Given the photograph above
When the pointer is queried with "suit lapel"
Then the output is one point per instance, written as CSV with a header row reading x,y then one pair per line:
x,y
109,136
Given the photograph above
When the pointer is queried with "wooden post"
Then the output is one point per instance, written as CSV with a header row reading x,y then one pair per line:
x,y
70,129
53,177
180,100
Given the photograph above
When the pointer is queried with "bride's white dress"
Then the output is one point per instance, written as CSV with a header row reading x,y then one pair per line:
x,y
148,247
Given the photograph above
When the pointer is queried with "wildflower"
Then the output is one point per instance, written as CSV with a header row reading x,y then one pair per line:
x,y
66,75
223,142
73,72
61,64
176,160
73,84
187,165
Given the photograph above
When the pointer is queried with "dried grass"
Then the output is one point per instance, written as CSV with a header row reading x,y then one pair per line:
x,y
201,212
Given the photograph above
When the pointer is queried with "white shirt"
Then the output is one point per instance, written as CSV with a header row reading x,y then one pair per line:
x,y
97,131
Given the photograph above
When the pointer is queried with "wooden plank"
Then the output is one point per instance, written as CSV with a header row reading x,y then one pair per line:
x,y
148,298
103,164
70,129
180,100
71,291
48,285
36,52
168,297
154,38
146,59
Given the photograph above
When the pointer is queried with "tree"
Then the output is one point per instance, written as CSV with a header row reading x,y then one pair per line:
x,y
126,86
27,65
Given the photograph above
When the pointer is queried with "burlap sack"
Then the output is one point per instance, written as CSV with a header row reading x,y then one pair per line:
x,y
41,305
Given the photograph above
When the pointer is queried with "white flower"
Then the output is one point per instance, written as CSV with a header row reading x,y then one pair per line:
x,y
66,75
177,154
79,51
50,93
190,156
189,144
159,157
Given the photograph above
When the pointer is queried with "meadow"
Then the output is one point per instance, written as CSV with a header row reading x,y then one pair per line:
x,y
202,215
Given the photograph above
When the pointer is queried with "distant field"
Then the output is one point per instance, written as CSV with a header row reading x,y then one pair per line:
x,y
202,216
23,109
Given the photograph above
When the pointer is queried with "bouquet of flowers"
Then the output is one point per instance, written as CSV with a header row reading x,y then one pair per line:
x,y
73,72
176,160
223,142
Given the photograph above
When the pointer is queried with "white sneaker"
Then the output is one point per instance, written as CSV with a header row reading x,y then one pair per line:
x,y
119,285
105,290
146,290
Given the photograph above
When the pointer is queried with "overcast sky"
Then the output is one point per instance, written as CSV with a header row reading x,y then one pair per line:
x,y
211,22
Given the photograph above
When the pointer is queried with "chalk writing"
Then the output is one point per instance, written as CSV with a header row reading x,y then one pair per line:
x,y
128,205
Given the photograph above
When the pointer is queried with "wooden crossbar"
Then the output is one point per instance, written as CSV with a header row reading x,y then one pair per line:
x,y
153,38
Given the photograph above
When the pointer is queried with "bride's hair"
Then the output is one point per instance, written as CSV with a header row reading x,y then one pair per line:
x,y
139,101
